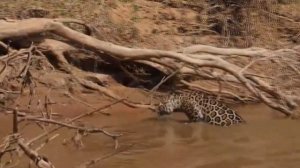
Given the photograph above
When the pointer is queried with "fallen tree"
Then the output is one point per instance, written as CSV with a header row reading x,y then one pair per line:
x,y
51,38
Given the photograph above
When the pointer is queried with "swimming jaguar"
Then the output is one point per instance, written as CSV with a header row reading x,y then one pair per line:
x,y
198,106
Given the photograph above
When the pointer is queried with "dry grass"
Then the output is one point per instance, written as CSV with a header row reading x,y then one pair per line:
x,y
259,29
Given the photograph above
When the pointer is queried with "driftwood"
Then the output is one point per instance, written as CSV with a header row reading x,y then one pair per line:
x,y
199,61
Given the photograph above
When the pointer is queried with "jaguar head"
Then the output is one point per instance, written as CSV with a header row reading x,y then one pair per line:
x,y
164,109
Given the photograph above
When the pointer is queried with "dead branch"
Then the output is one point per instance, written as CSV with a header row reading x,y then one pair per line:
x,y
15,138
85,103
249,52
208,57
4,47
83,129
39,160
30,142
226,94
109,93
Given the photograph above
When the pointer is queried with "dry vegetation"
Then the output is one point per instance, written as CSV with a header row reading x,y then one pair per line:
x,y
240,52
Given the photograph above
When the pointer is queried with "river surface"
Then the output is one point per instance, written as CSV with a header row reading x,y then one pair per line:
x,y
268,140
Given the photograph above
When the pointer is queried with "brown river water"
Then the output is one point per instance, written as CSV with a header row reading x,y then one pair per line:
x,y
267,141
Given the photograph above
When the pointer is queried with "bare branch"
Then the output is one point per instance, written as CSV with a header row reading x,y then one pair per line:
x,y
71,120
88,130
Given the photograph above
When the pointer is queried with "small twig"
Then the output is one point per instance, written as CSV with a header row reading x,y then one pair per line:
x,y
229,94
259,76
27,81
38,52
76,139
3,45
94,161
22,112
26,67
47,105
15,121
14,54
85,103
40,109
164,79
4,67
9,91
47,108
46,142
256,60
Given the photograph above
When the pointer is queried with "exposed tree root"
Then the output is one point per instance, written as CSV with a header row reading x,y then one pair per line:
x,y
197,62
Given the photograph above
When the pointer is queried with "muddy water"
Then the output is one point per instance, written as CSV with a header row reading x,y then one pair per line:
x,y
266,141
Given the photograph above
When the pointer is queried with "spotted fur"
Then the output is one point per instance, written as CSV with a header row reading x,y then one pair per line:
x,y
200,107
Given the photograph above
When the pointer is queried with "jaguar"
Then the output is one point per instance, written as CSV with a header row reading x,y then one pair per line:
x,y
199,106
